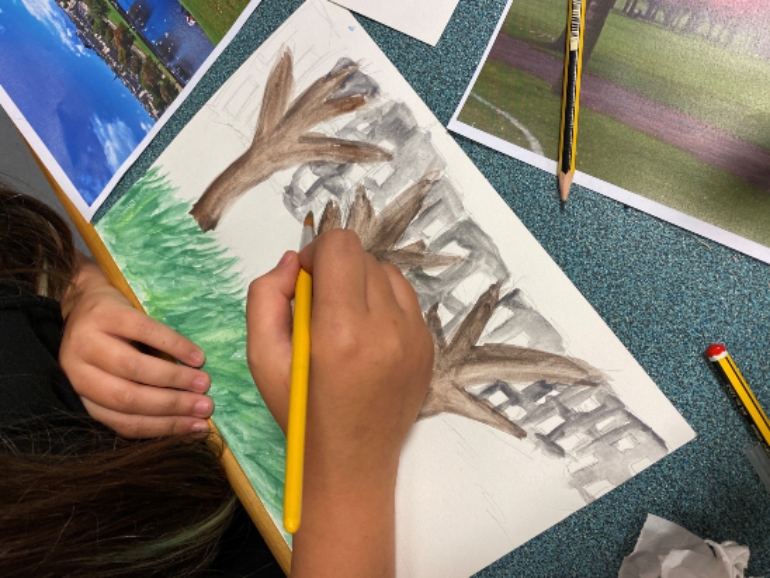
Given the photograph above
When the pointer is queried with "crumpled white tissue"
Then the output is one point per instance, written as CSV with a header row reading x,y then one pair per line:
x,y
666,550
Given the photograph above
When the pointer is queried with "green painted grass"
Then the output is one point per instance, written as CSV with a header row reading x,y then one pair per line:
x,y
186,280
215,17
611,151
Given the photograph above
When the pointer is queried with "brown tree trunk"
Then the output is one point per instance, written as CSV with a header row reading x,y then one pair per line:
x,y
597,12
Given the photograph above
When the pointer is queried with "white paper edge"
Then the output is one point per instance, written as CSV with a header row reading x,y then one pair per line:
x,y
416,32
58,173
678,218
683,220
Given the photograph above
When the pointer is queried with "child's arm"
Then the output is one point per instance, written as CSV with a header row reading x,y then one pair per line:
x,y
371,362
134,393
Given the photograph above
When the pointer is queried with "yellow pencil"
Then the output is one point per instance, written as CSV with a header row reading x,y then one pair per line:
x,y
570,103
300,371
718,354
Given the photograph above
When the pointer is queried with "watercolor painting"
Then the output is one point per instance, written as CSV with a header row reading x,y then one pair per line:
x,y
674,115
86,81
535,407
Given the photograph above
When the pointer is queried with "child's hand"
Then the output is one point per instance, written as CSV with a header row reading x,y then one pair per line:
x,y
371,362
134,393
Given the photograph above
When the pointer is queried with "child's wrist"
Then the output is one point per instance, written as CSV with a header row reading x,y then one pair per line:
x,y
354,482
89,277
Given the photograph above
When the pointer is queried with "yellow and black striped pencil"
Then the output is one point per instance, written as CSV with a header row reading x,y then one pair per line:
x,y
570,104
717,353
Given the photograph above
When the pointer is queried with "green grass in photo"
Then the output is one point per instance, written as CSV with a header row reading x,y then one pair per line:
x,y
116,18
667,175
722,86
215,17
616,153
536,21
112,14
521,95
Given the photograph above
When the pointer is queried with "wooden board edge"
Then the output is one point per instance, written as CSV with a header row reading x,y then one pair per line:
x,y
256,509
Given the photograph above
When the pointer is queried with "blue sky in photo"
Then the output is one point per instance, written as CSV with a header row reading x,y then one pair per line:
x,y
89,121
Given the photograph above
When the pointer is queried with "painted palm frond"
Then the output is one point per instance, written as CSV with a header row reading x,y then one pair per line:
x,y
381,233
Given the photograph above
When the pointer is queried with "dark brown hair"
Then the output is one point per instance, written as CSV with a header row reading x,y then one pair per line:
x,y
36,246
76,499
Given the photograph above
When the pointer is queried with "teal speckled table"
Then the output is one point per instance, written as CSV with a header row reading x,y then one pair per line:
x,y
666,293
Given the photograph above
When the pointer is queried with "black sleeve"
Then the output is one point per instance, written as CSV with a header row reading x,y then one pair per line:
x,y
31,382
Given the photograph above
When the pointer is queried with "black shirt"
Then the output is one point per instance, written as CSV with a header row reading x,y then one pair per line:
x,y
32,385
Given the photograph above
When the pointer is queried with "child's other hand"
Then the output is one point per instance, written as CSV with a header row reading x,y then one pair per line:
x,y
371,363
135,393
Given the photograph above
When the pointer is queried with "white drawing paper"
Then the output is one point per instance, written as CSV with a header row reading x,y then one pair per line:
x,y
541,412
425,20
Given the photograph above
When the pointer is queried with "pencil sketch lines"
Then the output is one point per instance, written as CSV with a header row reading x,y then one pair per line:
x,y
283,136
602,443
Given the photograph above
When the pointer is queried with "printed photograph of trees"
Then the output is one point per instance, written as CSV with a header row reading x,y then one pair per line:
x,y
673,105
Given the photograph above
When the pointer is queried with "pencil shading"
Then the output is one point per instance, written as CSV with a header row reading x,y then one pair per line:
x,y
601,443
479,362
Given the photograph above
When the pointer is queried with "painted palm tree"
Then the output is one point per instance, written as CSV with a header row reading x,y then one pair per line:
x,y
459,363
284,138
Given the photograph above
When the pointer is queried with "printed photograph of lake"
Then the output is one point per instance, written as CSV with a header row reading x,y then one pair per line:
x,y
92,77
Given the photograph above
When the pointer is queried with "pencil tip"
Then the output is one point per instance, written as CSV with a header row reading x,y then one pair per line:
x,y
565,182
309,221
